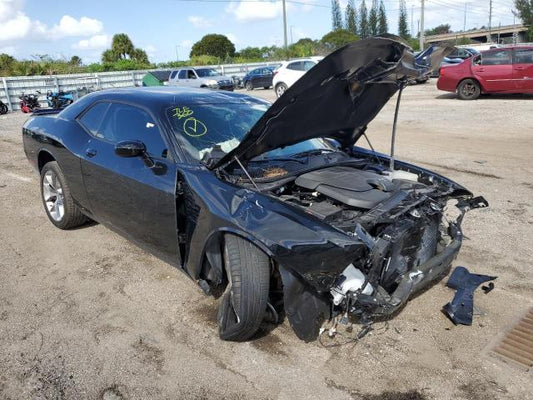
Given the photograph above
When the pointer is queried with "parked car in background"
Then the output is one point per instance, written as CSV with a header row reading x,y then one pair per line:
x,y
290,71
259,77
463,53
500,70
201,78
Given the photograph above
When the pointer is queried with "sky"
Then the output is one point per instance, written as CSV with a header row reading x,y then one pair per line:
x,y
166,29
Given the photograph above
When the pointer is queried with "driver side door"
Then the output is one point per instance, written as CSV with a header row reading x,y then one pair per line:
x,y
130,194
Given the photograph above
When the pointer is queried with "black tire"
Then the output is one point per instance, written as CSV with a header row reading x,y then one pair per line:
x,y
3,108
468,89
248,85
280,89
244,303
72,216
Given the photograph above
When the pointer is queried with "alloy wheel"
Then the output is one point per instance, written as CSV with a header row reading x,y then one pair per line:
x,y
53,196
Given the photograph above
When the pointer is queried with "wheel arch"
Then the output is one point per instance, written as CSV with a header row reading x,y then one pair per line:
x,y
211,264
43,158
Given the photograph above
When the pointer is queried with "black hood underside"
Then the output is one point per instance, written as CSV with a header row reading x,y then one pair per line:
x,y
337,98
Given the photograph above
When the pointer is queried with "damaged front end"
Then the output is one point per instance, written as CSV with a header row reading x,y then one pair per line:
x,y
409,229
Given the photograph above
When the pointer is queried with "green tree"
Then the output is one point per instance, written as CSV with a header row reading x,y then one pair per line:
x,y
524,11
304,47
7,64
350,17
383,26
75,60
373,19
140,56
251,53
122,46
403,31
338,38
439,30
336,15
363,21
213,45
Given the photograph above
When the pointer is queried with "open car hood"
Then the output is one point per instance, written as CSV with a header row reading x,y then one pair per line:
x,y
338,97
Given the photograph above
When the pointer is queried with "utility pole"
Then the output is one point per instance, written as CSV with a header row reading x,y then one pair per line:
x,y
464,22
422,25
490,21
284,27
412,33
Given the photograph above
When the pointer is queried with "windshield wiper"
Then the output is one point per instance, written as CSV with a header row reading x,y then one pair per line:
x,y
260,160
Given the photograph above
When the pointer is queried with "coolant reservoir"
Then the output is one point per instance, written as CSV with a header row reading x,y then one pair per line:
x,y
398,174
354,281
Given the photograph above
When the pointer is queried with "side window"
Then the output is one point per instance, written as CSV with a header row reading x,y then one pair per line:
x,y
308,65
296,66
191,74
92,119
173,74
499,57
182,74
125,122
523,56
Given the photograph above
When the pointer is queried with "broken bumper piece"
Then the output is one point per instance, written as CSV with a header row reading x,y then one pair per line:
x,y
461,309
380,303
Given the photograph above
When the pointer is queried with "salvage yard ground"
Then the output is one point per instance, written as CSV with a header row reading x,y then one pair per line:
x,y
87,315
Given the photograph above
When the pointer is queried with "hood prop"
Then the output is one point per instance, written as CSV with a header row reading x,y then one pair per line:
x,y
394,125
246,172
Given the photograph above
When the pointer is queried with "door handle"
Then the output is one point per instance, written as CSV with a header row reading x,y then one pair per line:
x,y
481,70
90,153
519,68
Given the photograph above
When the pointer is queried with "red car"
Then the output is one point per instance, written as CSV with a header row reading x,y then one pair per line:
x,y
501,70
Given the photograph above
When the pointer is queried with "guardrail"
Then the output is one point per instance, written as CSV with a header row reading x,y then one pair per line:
x,y
12,87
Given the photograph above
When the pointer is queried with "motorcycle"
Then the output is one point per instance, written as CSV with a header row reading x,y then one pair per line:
x,y
29,102
3,108
59,99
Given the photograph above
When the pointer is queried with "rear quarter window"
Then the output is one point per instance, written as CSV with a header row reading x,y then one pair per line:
x,y
92,119
523,56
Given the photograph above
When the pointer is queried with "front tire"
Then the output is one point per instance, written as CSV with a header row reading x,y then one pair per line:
x,y
468,89
248,86
244,303
58,203
280,89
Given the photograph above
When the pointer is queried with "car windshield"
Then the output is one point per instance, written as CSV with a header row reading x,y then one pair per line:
x,y
199,128
206,72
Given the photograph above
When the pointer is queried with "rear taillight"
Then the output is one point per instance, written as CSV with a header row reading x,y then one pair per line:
x,y
441,71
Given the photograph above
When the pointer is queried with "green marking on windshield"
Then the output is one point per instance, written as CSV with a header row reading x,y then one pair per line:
x,y
182,112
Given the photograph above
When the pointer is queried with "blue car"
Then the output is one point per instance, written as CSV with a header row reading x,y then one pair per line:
x,y
259,77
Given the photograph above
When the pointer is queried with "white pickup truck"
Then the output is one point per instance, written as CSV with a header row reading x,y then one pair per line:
x,y
201,78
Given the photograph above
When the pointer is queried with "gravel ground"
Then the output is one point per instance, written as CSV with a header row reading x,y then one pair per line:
x,y
85,314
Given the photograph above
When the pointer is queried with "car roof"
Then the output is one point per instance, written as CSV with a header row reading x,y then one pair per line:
x,y
157,97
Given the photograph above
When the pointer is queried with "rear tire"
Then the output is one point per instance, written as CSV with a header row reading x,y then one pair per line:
x,y
244,303
468,89
58,203
3,108
280,89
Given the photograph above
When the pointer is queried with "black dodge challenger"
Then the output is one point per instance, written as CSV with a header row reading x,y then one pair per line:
x,y
271,207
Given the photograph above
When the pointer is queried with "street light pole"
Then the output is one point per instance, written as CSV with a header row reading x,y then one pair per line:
x,y
284,26
421,25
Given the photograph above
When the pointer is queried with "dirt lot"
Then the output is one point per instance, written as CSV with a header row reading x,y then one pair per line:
x,y
87,315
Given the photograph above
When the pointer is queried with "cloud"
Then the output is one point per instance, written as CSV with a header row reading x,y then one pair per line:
x,y
96,42
199,22
249,11
15,25
69,26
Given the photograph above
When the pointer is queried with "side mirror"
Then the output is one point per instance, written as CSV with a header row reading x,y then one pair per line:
x,y
130,149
